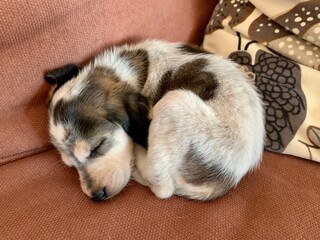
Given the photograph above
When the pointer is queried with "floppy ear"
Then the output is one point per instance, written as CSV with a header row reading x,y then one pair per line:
x,y
57,77
137,107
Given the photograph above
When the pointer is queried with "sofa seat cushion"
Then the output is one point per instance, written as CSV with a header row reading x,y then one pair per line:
x,y
41,199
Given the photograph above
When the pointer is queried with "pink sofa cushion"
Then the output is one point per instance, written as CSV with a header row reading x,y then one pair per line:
x,y
41,35
279,201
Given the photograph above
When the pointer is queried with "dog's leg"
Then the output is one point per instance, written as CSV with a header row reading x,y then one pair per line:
x,y
140,156
155,168
160,182
164,148
181,159
154,172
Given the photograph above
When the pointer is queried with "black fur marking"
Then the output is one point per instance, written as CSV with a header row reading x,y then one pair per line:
x,y
82,122
189,76
85,116
96,110
197,170
119,117
192,49
138,108
61,75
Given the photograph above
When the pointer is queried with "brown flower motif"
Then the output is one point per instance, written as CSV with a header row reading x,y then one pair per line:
x,y
238,10
278,79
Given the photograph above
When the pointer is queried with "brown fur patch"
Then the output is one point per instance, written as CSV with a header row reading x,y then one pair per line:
x,y
105,77
192,49
189,76
139,62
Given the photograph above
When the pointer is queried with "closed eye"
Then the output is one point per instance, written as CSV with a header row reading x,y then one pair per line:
x,y
95,149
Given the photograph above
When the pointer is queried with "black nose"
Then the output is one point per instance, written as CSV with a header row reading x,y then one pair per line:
x,y
99,195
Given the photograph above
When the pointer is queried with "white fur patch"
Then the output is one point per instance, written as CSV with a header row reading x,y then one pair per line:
x,y
81,150
120,66
57,132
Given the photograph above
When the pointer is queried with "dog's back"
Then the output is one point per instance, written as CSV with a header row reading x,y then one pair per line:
x,y
207,130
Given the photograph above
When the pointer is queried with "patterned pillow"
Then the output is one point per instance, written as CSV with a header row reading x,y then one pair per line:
x,y
278,43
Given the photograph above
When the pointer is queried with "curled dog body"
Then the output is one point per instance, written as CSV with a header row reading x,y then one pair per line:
x,y
197,114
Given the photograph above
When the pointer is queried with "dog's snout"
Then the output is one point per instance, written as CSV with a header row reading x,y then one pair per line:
x,y
99,195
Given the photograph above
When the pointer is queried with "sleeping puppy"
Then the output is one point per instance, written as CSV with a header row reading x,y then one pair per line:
x,y
198,115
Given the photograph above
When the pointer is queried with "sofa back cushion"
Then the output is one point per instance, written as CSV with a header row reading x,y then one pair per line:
x,y
41,35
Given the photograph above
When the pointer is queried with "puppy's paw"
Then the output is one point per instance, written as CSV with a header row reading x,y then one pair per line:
x,y
163,191
135,175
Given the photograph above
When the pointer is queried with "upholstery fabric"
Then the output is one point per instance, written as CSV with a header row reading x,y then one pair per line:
x,y
40,198
281,51
36,36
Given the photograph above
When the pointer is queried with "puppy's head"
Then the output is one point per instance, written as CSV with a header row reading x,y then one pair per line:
x,y
93,118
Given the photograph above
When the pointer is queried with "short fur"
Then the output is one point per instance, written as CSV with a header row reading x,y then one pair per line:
x,y
206,121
